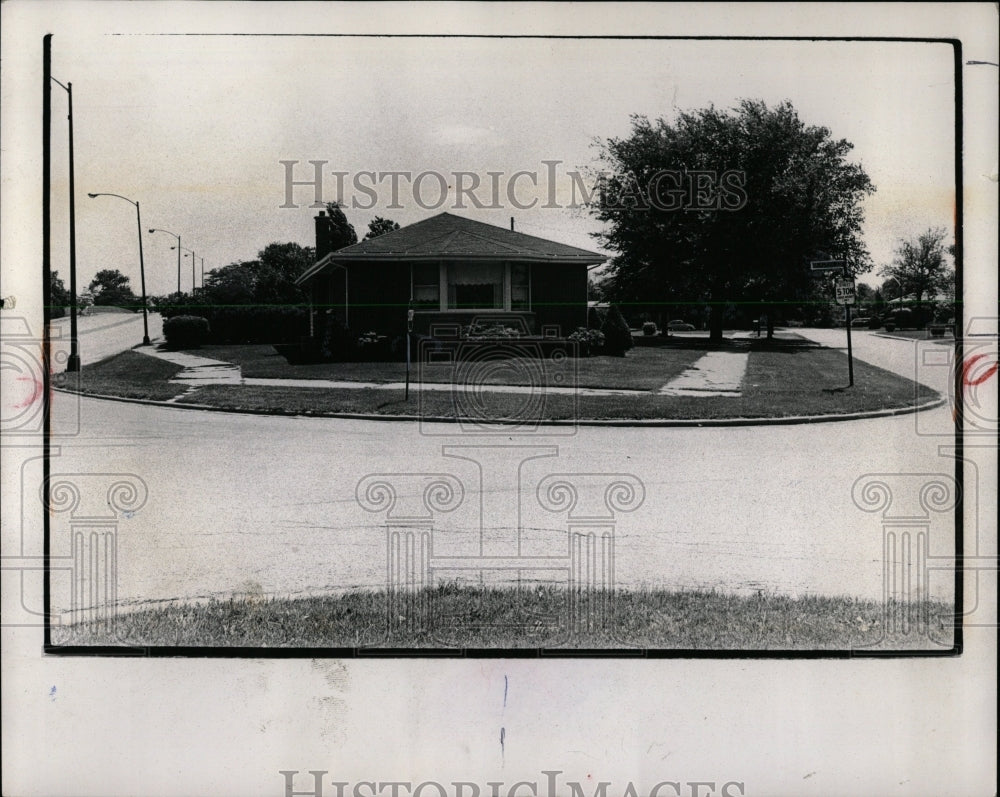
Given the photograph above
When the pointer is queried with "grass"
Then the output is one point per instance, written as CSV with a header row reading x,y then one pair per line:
x,y
786,377
129,375
504,618
643,369
781,381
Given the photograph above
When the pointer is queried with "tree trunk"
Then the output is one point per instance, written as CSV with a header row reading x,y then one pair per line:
x,y
770,325
716,311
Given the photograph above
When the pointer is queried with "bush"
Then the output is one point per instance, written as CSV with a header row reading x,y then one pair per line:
x,y
649,328
185,331
239,323
617,336
479,330
339,345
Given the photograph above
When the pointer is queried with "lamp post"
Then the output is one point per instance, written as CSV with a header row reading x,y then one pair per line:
x,y
73,364
142,265
178,253
900,286
178,248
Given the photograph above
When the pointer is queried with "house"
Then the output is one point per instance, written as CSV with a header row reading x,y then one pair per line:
x,y
449,270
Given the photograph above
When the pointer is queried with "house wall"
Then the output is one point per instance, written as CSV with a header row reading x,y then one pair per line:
x,y
559,296
380,294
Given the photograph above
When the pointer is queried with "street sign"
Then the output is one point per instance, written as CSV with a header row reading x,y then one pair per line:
x,y
827,265
845,292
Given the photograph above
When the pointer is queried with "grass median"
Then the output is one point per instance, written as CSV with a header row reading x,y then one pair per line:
x,y
454,616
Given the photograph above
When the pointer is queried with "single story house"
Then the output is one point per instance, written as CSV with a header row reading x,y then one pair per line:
x,y
450,270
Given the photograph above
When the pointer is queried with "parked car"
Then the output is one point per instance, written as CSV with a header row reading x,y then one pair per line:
x,y
680,326
864,321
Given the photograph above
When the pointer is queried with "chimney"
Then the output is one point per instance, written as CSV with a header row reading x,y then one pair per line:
x,y
324,235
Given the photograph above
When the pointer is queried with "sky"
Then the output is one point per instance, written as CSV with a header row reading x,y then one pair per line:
x,y
195,128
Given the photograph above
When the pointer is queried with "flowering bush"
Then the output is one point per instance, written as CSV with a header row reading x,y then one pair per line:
x,y
490,331
591,337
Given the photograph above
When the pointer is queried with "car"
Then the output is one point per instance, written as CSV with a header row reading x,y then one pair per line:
x,y
680,326
864,321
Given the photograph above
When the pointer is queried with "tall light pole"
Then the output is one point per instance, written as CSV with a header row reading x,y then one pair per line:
x,y
142,265
202,271
179,247
900,286
73,364
178,254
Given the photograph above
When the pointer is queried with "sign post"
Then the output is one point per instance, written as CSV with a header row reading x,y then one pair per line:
x,y
846,296
409,329
844,292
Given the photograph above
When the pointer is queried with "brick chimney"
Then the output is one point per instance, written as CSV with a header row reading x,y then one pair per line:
x,y
324,235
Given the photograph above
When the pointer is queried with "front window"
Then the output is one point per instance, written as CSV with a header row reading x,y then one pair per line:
x,y
520,287
426,285
475,286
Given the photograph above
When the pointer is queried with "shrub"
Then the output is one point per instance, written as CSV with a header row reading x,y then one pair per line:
x,y
339,345
490,331
649,328
186,331
592,337
240,323
617,336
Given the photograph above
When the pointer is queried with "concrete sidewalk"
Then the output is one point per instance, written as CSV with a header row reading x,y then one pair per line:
x,y
717,373
200,371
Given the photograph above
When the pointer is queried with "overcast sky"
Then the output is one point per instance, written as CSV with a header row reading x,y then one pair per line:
x,y
195,128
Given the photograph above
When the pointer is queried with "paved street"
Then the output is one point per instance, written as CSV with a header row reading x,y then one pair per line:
x,y
101,335
266,505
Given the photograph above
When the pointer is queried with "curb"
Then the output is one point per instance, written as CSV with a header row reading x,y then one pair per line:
x,y
887,336
649,422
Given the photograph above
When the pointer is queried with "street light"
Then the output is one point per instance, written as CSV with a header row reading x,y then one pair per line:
x,y
73,364
142,265
900,286
178,248
178,253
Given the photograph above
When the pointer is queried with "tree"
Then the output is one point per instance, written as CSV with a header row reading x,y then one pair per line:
x,y
279,265
920,266
342,233
617,335
379,226
58,295
722,207
111,288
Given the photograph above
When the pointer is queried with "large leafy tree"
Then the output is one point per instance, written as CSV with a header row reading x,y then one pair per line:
x,y
58,295
920,268
268,280
379,226
343,233
111,288
728,206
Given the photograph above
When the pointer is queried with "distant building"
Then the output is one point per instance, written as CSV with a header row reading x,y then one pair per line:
x,y
450,270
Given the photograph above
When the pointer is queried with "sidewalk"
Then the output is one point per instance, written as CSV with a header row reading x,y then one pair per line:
x,y
200,371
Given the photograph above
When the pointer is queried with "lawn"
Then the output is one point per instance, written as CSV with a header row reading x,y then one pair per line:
x,y
642,369
129,375
782,380
497,618
787,377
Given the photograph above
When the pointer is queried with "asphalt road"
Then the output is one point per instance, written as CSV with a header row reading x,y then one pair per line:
x,y
101,335
242,504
